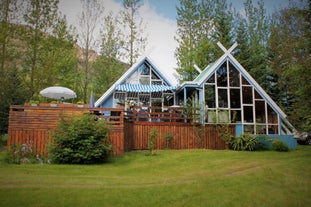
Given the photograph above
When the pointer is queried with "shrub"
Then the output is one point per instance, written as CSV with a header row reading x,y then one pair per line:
x,y
168,138
279,145
80,141
263,142
21,154
153,135
245,142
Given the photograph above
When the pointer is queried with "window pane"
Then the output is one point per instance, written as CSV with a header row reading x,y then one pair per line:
x,y
273,129
234,76
247,95
210,96
222,75
249,129
144,80
236,116
248,114
260,112
222,98
244,81
235,99
211,79
272,116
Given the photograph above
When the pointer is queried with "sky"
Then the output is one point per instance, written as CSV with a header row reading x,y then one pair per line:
x,y
159,17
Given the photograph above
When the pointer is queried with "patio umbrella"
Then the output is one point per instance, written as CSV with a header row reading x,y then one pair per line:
x,y
58,92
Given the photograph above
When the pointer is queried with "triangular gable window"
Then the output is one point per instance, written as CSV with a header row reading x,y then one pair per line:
x,y
228,95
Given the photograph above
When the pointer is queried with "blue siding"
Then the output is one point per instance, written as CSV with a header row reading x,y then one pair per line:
x,y
288,139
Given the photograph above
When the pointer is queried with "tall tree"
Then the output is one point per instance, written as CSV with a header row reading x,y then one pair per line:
x,y
89,20
188,18
252,35
108,65
59,57
290,59
39,17
11,90
201,24
134,41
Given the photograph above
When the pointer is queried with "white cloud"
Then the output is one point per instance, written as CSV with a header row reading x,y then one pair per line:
x,y
161,31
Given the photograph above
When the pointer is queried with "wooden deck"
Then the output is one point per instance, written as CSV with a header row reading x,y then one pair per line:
x,y
129,131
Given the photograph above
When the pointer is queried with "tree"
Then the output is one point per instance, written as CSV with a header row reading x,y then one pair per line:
x,y
201,24
11,90
134,41
290,60
59,57
252,35
108,65
89,20
188,20
39,17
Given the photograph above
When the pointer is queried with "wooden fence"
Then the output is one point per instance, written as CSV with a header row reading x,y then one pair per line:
x,y
130,129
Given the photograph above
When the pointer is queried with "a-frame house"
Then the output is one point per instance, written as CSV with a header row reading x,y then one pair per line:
x,y
143,85
227,93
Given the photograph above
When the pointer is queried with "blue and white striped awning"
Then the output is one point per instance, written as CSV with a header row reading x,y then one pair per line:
x,y
144,88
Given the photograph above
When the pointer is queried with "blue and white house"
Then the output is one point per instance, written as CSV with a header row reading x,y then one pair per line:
x,y
224,91
142,84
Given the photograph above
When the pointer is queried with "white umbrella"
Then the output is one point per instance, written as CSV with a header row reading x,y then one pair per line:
x,y
58,92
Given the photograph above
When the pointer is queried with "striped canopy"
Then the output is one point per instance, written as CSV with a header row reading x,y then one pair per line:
x,y
144,88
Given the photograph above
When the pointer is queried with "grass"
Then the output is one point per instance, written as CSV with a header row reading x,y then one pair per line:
x,y
170,178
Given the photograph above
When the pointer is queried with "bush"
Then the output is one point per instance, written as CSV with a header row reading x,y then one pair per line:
x,y
21,154
153,135
245,142
279,145
80,141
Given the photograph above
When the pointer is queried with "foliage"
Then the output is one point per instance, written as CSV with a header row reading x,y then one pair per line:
x,y
289,61
279,145
245,142
153,136
225,134
21,154
200,24
3,139
80,141
168,138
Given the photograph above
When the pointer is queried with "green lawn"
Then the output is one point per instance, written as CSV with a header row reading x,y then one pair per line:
x,y
171,178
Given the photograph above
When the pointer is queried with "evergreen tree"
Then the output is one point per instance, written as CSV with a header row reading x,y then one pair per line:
x,y
252,36
201,24
290,60
187,38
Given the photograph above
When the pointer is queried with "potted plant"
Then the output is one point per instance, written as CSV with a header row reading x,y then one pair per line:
x,y
80,104
33,103
53,103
